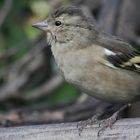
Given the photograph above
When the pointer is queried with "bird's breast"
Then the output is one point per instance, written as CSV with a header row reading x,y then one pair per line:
x,y
74,64
83,68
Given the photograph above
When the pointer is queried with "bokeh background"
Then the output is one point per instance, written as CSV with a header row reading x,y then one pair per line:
x,y
31,89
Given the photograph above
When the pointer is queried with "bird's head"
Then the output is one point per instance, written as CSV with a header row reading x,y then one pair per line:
x,y
66,24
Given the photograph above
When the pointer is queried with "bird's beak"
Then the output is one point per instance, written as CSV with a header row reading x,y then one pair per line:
x,y
41,25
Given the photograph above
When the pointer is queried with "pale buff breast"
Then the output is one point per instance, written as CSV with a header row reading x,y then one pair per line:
x,y
86,71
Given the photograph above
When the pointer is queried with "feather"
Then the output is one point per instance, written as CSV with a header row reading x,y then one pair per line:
x,y
108,52
119,53
130,61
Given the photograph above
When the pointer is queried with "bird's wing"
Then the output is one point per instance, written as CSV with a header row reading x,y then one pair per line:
x,y
119,53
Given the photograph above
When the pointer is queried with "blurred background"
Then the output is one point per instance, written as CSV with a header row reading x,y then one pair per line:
x,y
31,89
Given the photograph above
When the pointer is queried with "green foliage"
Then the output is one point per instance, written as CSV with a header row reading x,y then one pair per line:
x,y
65,93
12,28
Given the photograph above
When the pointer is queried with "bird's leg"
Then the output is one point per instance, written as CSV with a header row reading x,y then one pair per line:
x,y
103,124
111,120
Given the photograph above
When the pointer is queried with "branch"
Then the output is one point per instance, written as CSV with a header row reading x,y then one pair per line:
x,y
124,129
18,74
45,89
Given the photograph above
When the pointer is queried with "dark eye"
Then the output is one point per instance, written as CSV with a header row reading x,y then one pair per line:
x,y
58,23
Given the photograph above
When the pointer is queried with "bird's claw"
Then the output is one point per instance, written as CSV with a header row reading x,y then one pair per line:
x,y
83,124
107,123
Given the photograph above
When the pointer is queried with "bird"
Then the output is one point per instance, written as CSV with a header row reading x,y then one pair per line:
x,y
99,64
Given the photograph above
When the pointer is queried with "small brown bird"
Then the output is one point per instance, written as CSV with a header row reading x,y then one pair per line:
x,y
99,64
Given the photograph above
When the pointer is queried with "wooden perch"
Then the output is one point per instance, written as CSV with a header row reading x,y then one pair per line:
x,y
125,129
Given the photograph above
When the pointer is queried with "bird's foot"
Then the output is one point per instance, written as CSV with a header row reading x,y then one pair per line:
x,y
82,124
107,123
110,121
103,124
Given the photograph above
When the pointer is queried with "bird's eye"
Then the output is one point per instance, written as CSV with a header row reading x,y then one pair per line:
x,y
58,23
